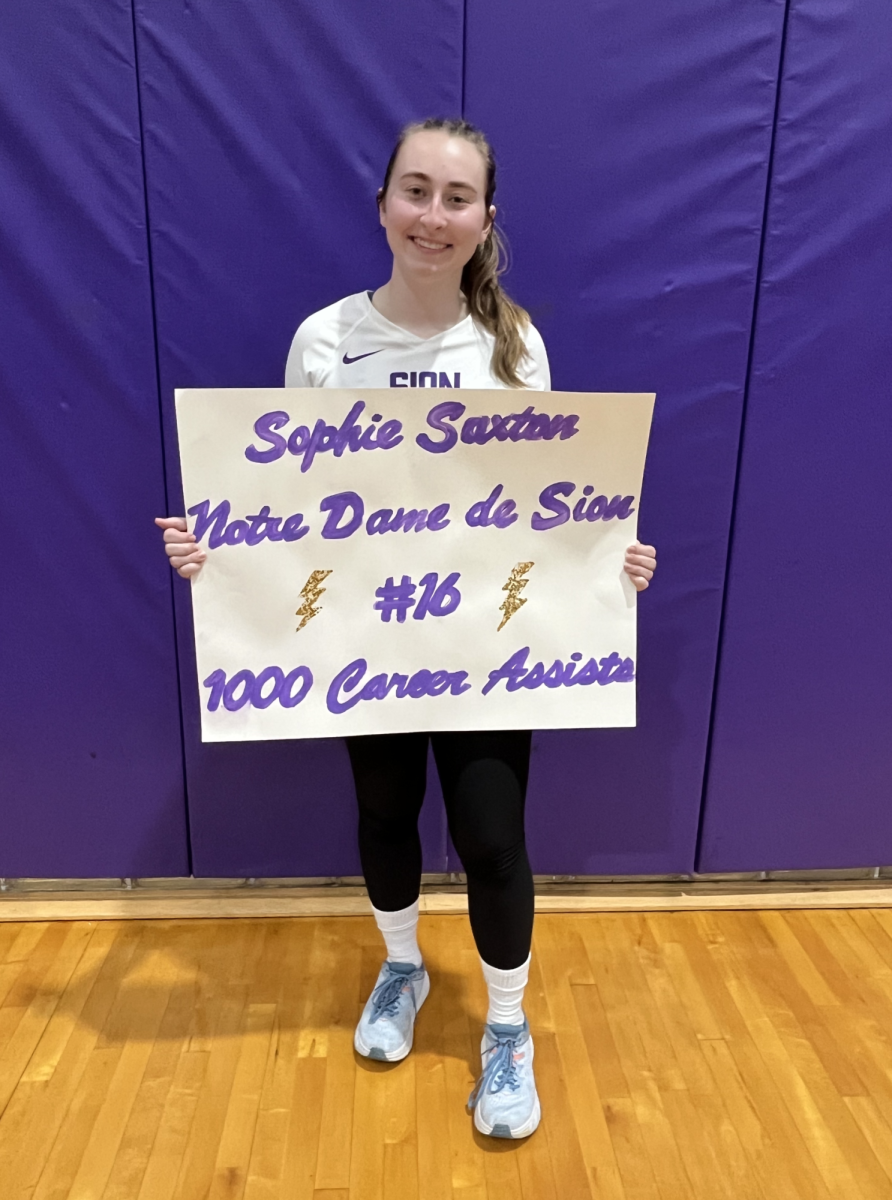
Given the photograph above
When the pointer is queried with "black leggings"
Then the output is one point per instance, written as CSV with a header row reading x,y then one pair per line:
x,y
484,780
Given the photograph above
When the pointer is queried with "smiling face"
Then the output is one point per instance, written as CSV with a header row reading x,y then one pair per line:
x,y
434,210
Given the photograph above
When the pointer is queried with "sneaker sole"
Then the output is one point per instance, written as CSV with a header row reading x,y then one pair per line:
x,y
377,1052
505,1131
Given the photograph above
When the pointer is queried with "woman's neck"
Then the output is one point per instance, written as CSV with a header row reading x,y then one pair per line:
x,y
423,307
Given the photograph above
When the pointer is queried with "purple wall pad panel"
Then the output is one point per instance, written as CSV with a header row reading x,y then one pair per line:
x,y
267,129
633,142
801,756
92,777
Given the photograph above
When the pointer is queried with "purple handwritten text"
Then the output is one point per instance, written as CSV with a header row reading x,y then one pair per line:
x,y
527,426
305,443
244,687
516,674
598,508
252,530
422,683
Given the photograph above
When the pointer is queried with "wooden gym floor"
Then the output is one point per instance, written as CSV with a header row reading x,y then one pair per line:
x,y
679,1056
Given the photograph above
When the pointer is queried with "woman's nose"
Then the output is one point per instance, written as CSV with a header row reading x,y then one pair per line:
x,y
435,214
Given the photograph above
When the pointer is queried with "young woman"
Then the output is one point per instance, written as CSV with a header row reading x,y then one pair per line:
x,y
442,310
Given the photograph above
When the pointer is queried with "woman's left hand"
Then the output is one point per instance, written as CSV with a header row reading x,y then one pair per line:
x,y
640,564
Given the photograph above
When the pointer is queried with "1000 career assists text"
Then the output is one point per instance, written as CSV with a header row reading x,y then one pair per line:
x,y
353,685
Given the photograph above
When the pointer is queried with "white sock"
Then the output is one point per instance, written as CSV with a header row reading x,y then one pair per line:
x,y
506,993
400,930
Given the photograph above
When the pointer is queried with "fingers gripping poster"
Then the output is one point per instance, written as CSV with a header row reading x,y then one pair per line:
x,y
386,561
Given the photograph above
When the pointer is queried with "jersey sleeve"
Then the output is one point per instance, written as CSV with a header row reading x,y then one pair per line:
x,y
295,369
314,348
311,347
534,368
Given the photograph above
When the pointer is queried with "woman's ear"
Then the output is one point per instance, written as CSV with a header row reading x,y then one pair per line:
x,y
380,201
487,228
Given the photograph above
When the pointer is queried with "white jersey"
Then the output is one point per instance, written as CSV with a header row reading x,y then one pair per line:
x,y
351,345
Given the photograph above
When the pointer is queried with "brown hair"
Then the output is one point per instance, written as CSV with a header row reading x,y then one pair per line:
x,y
487,302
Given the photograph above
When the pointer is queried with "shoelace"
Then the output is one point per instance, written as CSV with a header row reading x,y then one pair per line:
x,y
500,1071
386,996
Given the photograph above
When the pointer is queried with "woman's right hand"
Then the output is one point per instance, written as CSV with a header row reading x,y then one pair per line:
x,y
186,556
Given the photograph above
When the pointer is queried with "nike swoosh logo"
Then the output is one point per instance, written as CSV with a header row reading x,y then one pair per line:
x,y
368,354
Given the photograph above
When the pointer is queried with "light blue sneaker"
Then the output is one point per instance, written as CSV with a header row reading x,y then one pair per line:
x,y
505,1101
385,1029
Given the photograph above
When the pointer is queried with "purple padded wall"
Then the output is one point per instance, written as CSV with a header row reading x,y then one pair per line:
x,y
92,781
802,753
267,129
633,141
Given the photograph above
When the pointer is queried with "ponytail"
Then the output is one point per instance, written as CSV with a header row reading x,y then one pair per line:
x,y
488,303
492,308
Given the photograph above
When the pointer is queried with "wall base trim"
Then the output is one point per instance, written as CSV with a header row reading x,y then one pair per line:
x,y
217,903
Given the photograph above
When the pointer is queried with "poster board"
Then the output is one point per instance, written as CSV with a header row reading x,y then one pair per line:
x,y
386,560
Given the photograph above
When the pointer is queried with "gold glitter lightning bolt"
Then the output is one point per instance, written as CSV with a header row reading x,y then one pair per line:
x,y
310,593
514,601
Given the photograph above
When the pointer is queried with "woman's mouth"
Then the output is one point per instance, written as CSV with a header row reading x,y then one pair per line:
x,y
424,244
